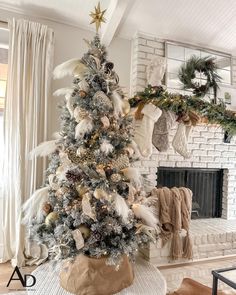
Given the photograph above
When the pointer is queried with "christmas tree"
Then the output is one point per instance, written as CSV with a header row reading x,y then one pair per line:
x,y
91,200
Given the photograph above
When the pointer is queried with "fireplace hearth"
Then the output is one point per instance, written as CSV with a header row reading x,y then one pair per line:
x,y
206,185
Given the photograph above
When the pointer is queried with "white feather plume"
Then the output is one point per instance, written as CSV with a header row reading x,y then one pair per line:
x,y
121,207
70,104
56,135
84,126
63,91
117,103
133,175
69,99
145,213
44,149
80,70
32,207
106,147
68,68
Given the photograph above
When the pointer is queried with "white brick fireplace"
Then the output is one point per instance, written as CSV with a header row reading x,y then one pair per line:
x,y
206,141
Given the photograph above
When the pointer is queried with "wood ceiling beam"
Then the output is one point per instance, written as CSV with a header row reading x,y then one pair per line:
x,y
114,15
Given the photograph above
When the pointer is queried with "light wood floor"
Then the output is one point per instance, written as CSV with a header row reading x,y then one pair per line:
x,y
5,273
198,271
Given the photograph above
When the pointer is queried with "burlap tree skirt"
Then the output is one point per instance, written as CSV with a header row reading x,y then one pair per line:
x,y
91,276
147,280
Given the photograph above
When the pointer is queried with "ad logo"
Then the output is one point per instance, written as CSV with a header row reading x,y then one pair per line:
x,y
22,279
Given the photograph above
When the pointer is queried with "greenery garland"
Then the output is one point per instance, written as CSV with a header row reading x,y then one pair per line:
x,y
183,104
206,66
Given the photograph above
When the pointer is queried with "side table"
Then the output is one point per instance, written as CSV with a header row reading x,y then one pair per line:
x,y
226,275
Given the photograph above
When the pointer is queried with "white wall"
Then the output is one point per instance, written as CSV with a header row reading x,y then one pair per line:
x,y
69,44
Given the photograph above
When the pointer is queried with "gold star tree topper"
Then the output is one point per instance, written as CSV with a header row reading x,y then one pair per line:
x,y
97,16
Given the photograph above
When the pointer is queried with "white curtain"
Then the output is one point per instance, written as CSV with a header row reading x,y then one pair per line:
x,y
30,62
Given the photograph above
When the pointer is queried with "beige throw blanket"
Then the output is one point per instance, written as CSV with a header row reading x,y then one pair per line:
x,y
174,208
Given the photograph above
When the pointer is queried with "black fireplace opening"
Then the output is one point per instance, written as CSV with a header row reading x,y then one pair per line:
x,y
206,185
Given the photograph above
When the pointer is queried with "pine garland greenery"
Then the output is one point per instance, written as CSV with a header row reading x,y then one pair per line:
x,y
182,104
204,65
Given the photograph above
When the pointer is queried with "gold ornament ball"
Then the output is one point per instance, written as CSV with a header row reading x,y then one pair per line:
x,y
85,231
51,218
82,93
47,208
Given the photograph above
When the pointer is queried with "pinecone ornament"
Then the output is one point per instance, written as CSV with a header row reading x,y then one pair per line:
x,y
121,162
73,157
73,175
115,177
100,98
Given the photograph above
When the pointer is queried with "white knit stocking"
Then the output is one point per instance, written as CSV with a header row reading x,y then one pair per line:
x,y
180,141
143,134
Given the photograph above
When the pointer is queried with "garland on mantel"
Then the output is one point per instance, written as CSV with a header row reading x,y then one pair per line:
x,y
184,105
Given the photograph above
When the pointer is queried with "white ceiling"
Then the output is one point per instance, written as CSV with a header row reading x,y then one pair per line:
x,y
209,23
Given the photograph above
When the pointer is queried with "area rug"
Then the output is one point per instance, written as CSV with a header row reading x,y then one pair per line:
x,y
148,281
191,287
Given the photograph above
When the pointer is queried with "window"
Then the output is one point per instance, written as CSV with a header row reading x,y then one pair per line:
x,y
177,55
3,82
3,85
3,77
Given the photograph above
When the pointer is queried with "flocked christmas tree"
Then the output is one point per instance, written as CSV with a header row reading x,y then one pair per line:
x,y
91,203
